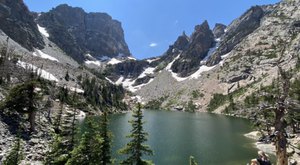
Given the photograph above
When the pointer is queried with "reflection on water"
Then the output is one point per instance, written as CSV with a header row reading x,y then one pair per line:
x,y
174,136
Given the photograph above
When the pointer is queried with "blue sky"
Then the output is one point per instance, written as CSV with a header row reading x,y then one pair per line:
x,y
150,26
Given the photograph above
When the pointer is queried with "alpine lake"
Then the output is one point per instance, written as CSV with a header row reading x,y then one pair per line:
x,y
175,136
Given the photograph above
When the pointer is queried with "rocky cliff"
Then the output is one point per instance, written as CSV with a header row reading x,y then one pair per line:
x,y
199,44
18,23
237,31
79,33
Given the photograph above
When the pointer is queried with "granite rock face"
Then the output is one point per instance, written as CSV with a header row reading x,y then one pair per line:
x,y
18,23
237,31
79,33
219,30
199,44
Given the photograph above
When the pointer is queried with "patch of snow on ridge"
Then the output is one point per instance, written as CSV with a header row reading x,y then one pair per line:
x,y
41,54
98,63
120,80
109,80
43,31
131,58
149,70
44,74
128,84
168,67
134,89
114,61
202,69
174,75
225,55
152,60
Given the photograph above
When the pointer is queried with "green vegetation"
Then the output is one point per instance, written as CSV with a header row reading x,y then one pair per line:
x,y
190,106
217,101
89,150
24,99
155,104
106,135
196,94
220,99
15,156
135,149
103,94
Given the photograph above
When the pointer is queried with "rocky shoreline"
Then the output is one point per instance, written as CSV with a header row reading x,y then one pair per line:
x,y
270,147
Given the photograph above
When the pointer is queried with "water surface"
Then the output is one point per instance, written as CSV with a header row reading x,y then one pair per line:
x,y
174,136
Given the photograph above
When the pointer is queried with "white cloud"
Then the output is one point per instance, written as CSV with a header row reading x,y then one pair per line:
x,y
153,44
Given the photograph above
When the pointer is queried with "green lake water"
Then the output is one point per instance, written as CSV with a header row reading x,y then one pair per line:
x,y
174,136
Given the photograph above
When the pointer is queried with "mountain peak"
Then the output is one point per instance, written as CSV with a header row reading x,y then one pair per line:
x,y
78,32
202,27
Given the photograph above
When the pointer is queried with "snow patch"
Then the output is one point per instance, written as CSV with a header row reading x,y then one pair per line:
x,y
41,54
77,90
135,88
109,80
44,74
98,63
174,75
120,80
128,84
149,70
202,69
225,55
89,55
168,67
43,31
177,78
114,61
152,60
131,58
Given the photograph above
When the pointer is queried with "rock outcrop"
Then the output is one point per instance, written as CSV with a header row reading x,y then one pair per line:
x,y
79,33
200,42
219,30
237,31
18,23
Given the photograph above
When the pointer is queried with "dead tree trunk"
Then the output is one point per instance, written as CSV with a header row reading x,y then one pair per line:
x,y
280,123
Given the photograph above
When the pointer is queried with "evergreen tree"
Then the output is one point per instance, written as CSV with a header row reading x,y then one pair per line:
x,y
106,135
24,99
135,148
67,76
89,151
57,154
16,154
193,161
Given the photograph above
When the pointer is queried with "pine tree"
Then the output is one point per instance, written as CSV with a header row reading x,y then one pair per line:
x,y
67,76
57,154
193,161
24,99
106,135
89,151
16,154
135,148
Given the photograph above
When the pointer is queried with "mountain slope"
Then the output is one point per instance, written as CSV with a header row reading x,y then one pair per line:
x,y
18,23
242,57
79,33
